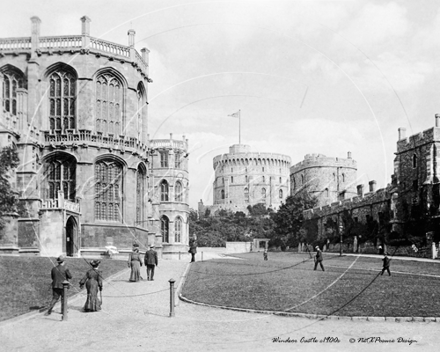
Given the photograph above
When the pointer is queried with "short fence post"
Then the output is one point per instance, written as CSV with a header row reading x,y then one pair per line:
x,y
64,299
172,281
202,256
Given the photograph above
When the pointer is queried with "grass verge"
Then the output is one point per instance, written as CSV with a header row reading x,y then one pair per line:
x,y
26,282
350,286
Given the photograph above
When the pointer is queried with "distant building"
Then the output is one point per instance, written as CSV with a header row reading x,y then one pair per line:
x,y
244,178
328,179
409,207
75,108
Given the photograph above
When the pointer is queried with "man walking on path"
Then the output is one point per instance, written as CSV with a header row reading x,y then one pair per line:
x,y
386,264
318,258
59,274
151,262
193,250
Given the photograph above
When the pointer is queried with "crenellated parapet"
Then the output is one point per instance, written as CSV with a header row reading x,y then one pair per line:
x,y
240,155
320,160
365,201
418,140
245,178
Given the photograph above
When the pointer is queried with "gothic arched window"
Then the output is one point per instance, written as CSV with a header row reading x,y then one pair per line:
x,y
12,80
178,229
140,193
164,191
62,96
246,195
223,194
164,159
140,95
178,192
60,174
108,188
109,105
281,194
165,229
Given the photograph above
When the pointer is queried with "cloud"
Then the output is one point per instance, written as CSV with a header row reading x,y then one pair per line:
x,y
376,25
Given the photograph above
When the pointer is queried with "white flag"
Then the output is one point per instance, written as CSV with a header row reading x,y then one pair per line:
x,y
235,114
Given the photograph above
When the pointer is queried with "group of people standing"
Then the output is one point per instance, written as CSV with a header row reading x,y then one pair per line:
x,y
92,280
135,263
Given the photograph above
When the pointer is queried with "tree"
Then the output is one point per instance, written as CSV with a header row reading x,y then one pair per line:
x,y
8,197
289,219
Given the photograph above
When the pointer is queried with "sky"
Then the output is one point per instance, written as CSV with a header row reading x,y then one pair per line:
x,y
325,77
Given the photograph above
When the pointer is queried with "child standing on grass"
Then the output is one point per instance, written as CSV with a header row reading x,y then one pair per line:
x,y
265,254
386,264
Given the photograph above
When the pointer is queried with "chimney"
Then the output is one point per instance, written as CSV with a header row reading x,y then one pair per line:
x,y
131,34
349,155
35,30
171,136
85,26
402,133
437,120
145,53
360,190
372,186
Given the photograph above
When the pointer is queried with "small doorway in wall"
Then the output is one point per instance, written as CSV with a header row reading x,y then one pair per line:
x,y
71,236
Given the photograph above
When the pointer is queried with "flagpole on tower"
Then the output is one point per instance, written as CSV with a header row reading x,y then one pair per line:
x,y
239,126
238,114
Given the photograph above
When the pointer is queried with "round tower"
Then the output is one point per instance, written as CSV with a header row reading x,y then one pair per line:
x,y
244,178
329,179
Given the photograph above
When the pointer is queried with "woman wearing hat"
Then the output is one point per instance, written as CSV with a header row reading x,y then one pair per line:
x,y
93,282
135,263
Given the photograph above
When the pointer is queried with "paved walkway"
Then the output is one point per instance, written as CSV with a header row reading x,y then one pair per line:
x,y
135,317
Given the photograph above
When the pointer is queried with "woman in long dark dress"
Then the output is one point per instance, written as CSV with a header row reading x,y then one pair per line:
x,y
135,263
93,282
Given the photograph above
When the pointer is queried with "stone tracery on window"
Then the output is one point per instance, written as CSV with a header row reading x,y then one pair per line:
x,y
108,187
62,96
13,79
165,229
178,229
60,175
109,105
140,193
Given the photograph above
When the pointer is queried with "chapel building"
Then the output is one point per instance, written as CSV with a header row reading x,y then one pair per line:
x,y
75,108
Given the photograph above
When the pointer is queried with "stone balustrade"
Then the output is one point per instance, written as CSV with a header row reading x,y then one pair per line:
x,y
55,204
89,137
14,44
109,47
60,42
74,42
168,143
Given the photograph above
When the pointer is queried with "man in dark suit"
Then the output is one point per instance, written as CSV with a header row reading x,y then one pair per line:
x,y
151,262
318,258
193,250
59,274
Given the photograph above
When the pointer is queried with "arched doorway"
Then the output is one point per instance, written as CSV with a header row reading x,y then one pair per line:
x,y
71,230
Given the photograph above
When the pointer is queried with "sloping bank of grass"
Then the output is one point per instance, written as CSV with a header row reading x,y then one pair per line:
x,y
26,282
287,281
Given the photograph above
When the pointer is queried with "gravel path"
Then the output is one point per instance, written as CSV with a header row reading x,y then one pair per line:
x,y
135,317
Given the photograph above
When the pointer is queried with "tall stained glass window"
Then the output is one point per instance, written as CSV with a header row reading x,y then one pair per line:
x,y
109,98
62,96
108,186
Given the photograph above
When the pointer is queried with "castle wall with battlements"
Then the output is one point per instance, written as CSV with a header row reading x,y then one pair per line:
x,y
329,179
244,178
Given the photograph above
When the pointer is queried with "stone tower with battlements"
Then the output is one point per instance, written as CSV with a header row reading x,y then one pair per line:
x,y
327,178
244,178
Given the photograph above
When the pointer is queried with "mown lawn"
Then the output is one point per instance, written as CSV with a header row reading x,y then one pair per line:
x,y
287,282
25,282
